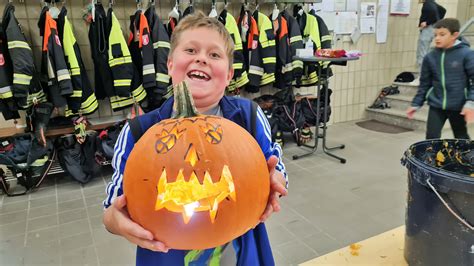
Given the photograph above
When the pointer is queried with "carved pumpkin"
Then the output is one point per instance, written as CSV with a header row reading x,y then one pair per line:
x,y
196,181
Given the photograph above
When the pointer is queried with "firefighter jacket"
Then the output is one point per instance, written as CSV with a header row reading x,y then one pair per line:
x,y
284,68
310,29
25,85
240,75
141,49
296,42
8,105
82,100
252,55
54,72
127,82
98,38
161,47
266,42
325,41
142,52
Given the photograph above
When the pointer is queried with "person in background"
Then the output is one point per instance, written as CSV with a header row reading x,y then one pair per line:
x,y
446,82
431,12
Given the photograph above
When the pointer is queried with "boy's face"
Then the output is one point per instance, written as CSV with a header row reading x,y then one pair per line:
x,y
444,39
200,59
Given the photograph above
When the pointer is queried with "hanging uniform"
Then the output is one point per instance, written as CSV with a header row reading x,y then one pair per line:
x,y
296,42
25,86
310,30
252,55
82,100
284,67
98,38
161,47
54,72
266,41
240,77
326,40
127,83
8,105
141,49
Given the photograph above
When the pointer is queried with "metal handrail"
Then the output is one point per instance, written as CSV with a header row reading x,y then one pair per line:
x,y
465,27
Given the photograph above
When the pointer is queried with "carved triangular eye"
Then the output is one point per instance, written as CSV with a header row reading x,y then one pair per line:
x,y
213,133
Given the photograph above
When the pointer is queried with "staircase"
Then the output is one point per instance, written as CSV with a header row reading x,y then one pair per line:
x,y
399,103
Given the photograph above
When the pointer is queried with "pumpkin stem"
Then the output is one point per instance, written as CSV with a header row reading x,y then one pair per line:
x,y
183,102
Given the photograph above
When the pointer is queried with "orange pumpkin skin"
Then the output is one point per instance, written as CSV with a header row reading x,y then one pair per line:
x,y
211,147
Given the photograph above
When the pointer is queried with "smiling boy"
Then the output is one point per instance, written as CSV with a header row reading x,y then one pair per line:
x,y
447,82
201,54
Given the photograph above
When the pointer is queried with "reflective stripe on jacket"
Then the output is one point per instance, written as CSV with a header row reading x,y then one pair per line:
x,y
253,64
83,99
25,86
310,30
127,83
240,77
161,46
54,72
98,38
266,41
296,42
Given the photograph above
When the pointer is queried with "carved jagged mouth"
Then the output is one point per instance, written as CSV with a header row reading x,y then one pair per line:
x,y
188,197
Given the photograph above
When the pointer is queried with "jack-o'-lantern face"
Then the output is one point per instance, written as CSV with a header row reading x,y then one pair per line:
x,y
187,197
196,181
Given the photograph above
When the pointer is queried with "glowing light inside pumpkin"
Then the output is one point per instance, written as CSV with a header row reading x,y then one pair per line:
x,y
191,156
188,197
213,133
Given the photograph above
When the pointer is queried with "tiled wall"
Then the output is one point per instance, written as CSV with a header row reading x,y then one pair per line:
x,y
355,86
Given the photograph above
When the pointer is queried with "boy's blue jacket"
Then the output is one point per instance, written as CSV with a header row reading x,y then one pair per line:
x,y
253,248
447,77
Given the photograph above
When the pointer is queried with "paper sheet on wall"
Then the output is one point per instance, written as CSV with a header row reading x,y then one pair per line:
x,y
382,21
345,22
400,7
328,5
367,25
368,10
352,5
355,36
339,5
329,18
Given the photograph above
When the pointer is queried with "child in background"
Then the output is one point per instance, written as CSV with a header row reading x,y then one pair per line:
x,y
446,82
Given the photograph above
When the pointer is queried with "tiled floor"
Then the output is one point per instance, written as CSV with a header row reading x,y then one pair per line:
x,y
330,205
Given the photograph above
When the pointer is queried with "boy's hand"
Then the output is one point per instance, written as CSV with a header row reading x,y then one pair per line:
x,y
468,115
277,188
117,221
411,112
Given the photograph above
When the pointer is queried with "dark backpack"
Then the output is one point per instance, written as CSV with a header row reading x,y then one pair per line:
x,y
405,77
27,160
